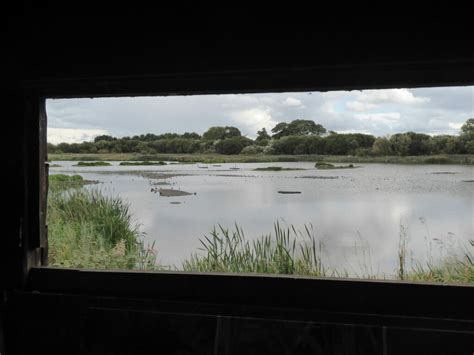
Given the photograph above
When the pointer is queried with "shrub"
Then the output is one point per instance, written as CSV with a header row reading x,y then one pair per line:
x,y
232,145
252,149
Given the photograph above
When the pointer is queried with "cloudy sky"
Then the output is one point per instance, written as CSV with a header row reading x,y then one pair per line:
x,y
378,112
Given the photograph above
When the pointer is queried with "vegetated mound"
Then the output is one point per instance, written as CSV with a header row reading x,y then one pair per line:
x,y
171,192
92,163
64,182
327,166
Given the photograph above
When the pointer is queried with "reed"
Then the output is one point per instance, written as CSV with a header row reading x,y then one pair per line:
x,y
87,229
289,251
285,251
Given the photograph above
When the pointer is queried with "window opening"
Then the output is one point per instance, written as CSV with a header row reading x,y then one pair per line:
x,y
364,184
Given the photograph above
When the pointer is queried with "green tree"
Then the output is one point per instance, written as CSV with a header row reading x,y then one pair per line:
x,y
315,144
104,138
467,136
419,143
400,144
215,133
233,145
340,144
280,130
454,145
469,147
468,127
262,135
382,146
191,135
362,140
439,144
52,149
298,128
287,145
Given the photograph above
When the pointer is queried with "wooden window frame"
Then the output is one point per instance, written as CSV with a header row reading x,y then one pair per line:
x,y
265,296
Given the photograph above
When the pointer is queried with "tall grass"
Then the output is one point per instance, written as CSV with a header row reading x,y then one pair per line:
x,y
88,229
289,251
402,252
286,251
453,268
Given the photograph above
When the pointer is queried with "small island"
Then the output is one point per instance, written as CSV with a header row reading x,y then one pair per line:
x,y
92,163
328,166
171,192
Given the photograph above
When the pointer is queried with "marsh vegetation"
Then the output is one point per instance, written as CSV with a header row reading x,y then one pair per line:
x,y
90,229
92,163
87,229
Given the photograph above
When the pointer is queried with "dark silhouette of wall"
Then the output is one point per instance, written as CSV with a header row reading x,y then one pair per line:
x,y
71,311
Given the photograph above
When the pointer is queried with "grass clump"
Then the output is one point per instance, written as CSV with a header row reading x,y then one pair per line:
x,y
327,166
437,160
451,269
286,251
59,182
92,163
87,229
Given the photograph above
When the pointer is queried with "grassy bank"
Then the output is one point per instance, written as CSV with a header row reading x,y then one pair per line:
x,y
87,229
277,253
466,159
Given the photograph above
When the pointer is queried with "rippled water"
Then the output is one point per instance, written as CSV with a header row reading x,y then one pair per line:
x,y
356,213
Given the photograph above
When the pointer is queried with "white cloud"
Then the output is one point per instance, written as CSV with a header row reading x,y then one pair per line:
x,y
376,122
238,100
396,96
364,131
359,106
327,108
455,125
72,135
292,102
333,94
384,117
252,120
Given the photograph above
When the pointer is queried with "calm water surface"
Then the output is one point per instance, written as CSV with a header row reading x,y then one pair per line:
x,y
356,213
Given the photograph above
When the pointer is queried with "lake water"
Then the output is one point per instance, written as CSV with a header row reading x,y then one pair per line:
x,y
355,213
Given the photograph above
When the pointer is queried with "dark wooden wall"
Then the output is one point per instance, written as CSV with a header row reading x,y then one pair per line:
x,y
79,312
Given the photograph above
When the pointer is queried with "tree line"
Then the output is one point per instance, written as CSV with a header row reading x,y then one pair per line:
x,y
296,137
